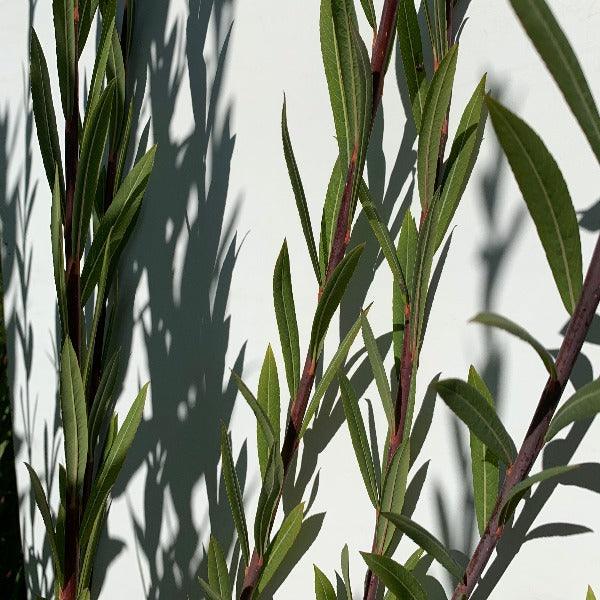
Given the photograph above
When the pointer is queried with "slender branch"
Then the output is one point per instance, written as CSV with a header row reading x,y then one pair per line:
x,y
73,291
534,439
381,49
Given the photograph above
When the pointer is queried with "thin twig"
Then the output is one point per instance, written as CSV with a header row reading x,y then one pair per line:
x,y
534,439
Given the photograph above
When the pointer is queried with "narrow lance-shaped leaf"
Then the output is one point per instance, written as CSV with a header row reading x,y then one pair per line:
x,y
93,144
298,189
74,416
360,442
463,154
384,238
43,111
583,404
42,504
411,52
346,572
369,10
378,369
330,299
285,313
332,370
474,410
111,464
218,575
282,543
268,398
427,541
484,465
117,221
323,588
267,500
89,556
331,208
58,261
590,594
392,495
518,492
234,494
210,593
436,107
87,12
103,398
64,33
407,254
555,50
547,197
259,412
495,320
401,582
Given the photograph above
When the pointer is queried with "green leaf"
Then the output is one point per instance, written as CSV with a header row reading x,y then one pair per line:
x,y
583,404
210,593
332,370
259,412
89,556
331,208
434,113
124,145
348,74
42,504
323,588
378,368
518,492
87,12
474,410
369,11
103,398
463,154
99,72
282,543
116,70
439,6
395,577
58,261
411,53
267,500
384,238
117,221
346,572
43,111
234,494
111,465
413,559
74,416
392,495
484,466
554,48
547,197
500,322
330,299
98,311
64,33
360,442
422,272
590,594
285,312
218,575
95,135
268,398
298,189
407,253
425,540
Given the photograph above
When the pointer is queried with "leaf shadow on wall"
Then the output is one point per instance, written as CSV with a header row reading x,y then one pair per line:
x,y
183,253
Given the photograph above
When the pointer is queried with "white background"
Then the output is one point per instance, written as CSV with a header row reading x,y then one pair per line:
x,y
219,207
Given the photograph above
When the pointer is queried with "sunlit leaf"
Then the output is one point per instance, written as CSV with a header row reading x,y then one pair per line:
x,y
218,575
268,398
396,578
323,588
64,34
267,500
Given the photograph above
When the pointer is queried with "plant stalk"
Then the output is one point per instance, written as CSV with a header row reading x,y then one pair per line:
x,y
381,48
534,439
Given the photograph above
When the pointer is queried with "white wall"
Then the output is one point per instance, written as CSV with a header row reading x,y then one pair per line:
x,y
203,225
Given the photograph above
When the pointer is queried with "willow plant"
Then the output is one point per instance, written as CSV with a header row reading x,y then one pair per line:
x,y
95,204
355,85
500,474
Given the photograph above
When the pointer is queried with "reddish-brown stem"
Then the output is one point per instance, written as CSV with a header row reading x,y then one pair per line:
x,y
534,439
341,238
72,276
